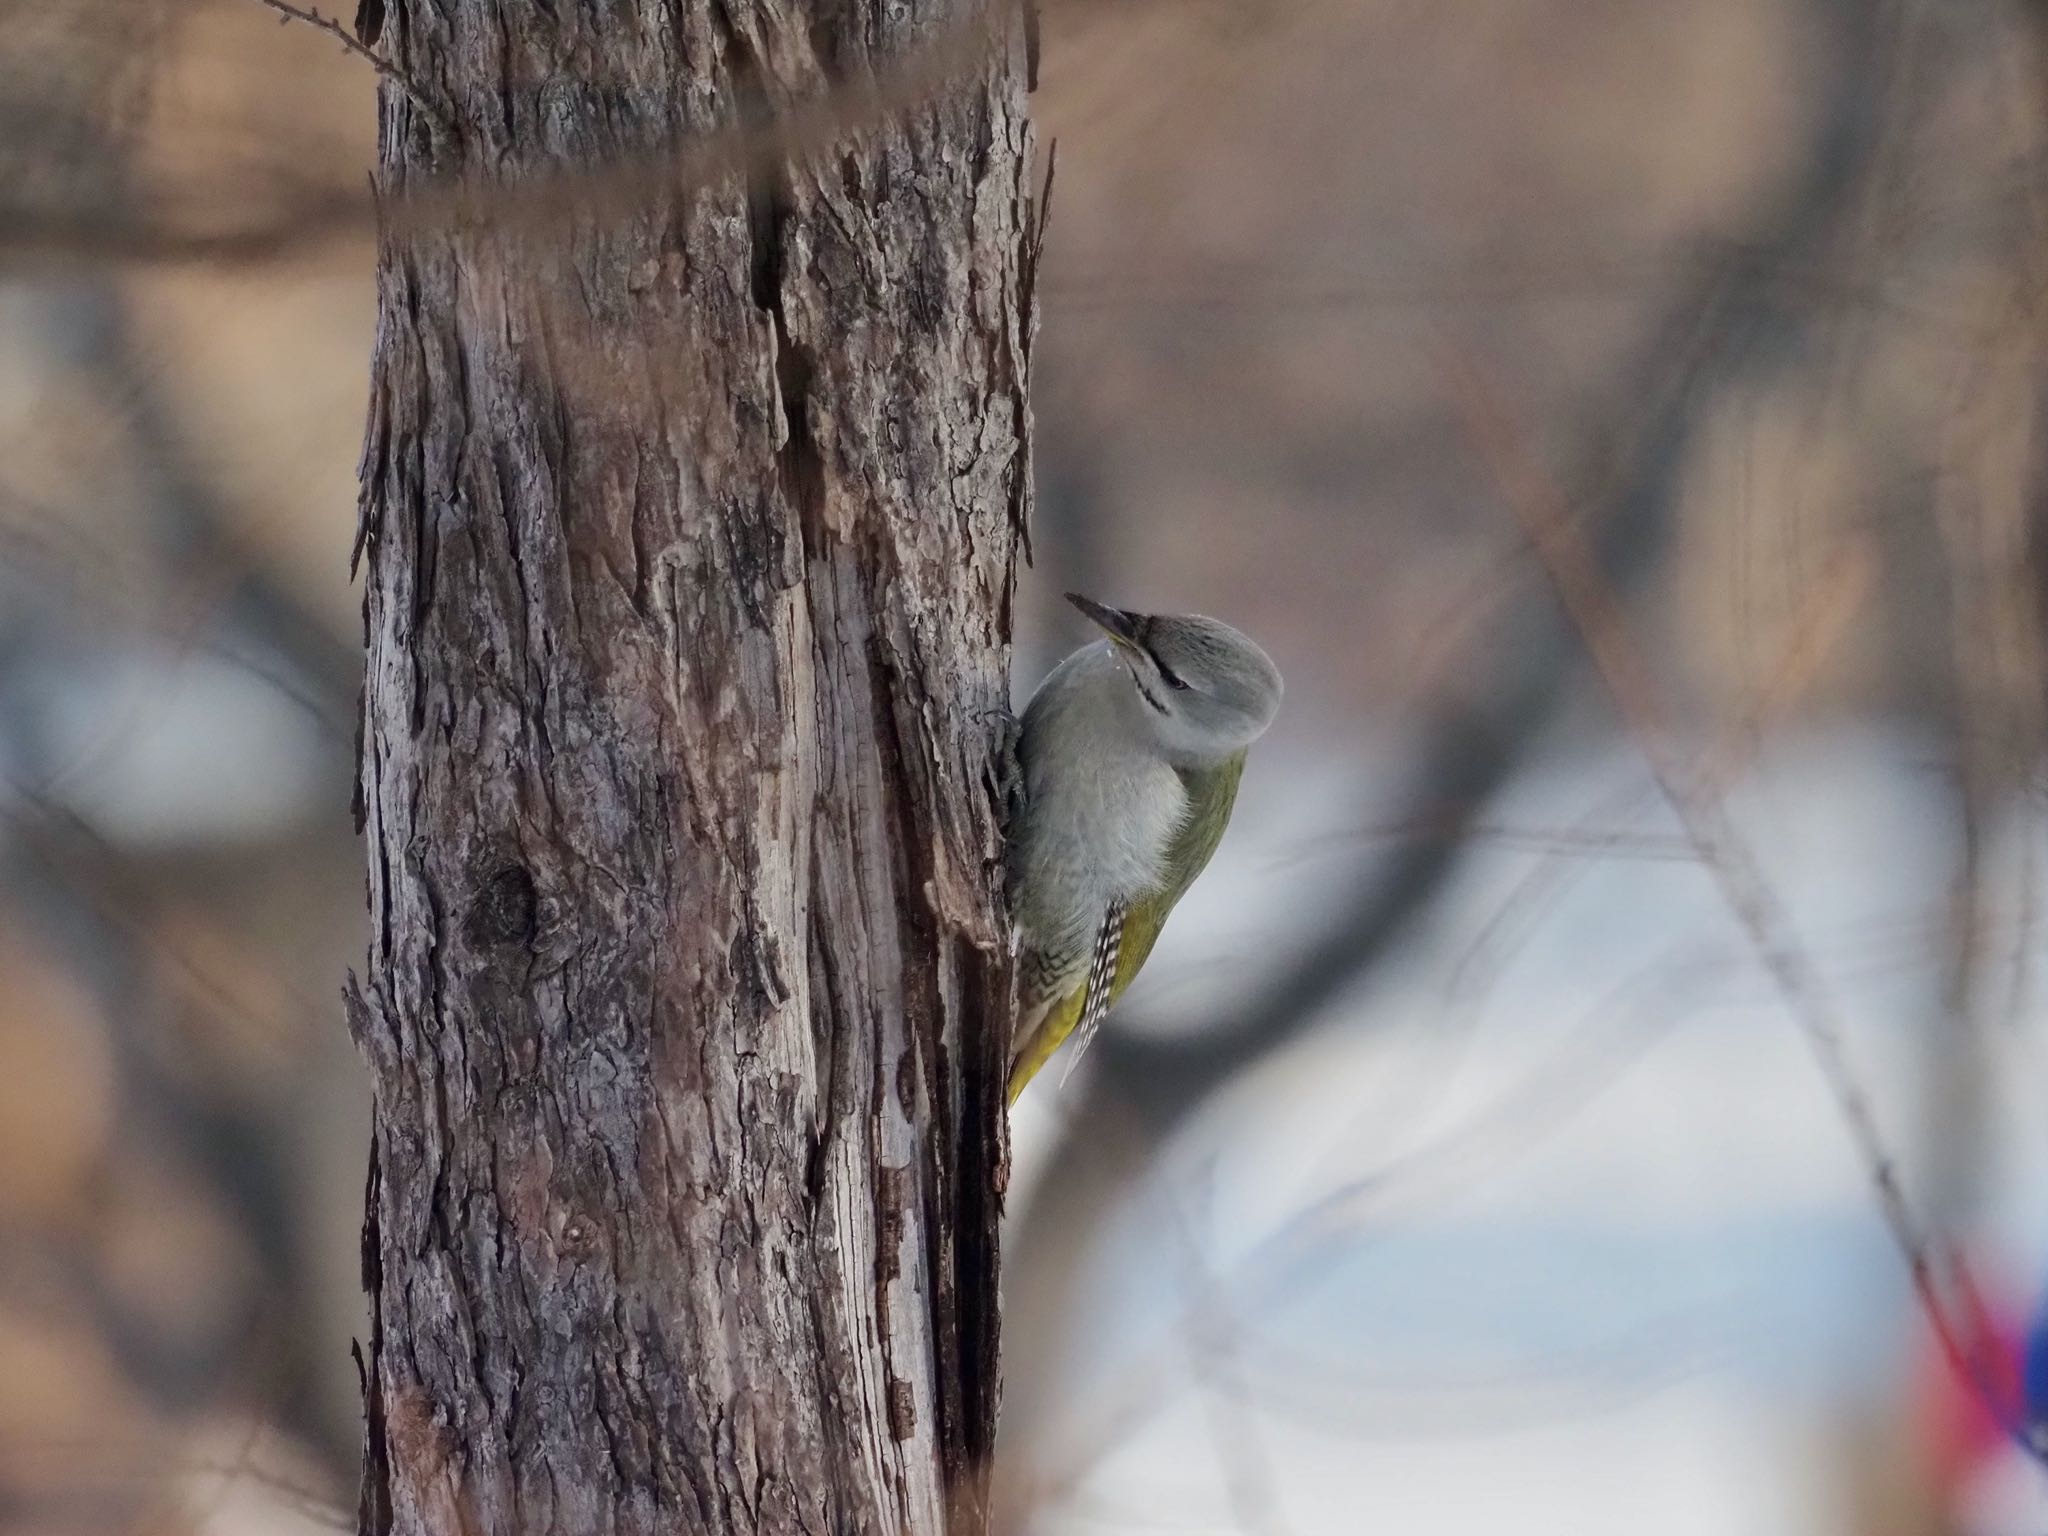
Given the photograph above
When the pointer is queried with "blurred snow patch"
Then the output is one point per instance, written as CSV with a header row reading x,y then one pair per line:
x,y
158,750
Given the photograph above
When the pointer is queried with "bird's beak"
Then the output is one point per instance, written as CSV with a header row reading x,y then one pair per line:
x,y
1119,626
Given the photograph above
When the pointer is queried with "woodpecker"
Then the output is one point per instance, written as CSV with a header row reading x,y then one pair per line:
x,y
1131,752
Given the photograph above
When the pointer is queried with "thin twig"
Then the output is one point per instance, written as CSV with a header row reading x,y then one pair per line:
x,y
390,71
1036,217
1042,215
1815,632
1251,1483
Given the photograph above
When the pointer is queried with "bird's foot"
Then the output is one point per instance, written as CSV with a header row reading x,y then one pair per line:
x,y
1005,770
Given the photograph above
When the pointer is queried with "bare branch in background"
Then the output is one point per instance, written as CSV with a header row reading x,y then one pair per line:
x,y
94,903
1812,637
237,595
1595,612
1715,339
1981,519
311,218
1243,1457
1723,332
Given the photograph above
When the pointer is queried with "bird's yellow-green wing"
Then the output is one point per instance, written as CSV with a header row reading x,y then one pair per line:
x,y
1212,792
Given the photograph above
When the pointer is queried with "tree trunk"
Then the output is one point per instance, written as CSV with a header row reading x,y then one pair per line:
x,y
691,528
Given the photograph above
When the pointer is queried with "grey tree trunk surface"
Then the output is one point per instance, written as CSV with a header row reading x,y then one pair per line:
x,y
690,520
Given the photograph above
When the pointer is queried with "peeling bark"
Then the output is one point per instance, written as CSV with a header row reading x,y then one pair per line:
x,y
690,540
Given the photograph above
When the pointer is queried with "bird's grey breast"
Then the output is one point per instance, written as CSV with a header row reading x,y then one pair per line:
x,y
1102,804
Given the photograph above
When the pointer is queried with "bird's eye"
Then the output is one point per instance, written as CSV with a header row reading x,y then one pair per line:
x,y
1177,684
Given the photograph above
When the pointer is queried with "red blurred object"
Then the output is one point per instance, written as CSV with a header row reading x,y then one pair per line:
x,y
1960,1429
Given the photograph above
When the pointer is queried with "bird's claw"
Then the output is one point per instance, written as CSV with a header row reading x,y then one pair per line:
x,y
1005,770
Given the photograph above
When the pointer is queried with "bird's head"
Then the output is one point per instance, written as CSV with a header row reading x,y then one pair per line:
x,y
1204,689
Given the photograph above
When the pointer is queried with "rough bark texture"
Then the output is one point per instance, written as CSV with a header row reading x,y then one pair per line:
x,y
690,537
